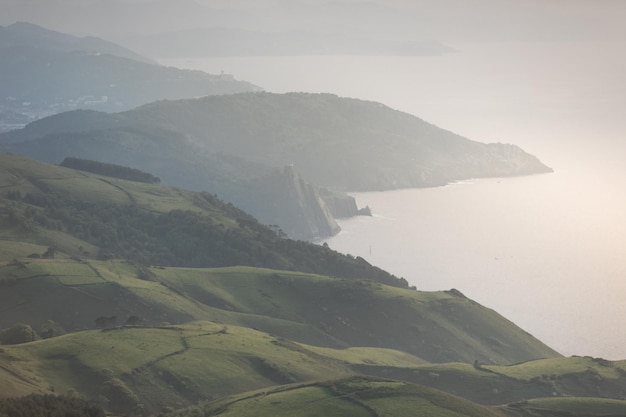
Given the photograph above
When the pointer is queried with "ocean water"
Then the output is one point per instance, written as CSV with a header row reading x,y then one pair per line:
x,y
547,251
521,246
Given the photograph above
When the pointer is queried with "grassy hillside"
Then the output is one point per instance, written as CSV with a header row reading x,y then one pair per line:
x,y
354,396
487,384
358,396
100,279
570,407
174,366
437,326
154,369
88,215
312,309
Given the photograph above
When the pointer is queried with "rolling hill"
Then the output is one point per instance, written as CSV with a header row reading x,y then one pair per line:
x,y
84,214
143,335
358,396
87,313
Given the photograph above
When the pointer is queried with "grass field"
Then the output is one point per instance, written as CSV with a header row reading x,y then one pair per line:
x,y
355,396
570,407
560,366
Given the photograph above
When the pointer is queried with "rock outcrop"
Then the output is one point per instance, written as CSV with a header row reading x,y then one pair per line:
x,y
286,199
341,205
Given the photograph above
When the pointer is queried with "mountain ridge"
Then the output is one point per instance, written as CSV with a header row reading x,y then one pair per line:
x,y
234,145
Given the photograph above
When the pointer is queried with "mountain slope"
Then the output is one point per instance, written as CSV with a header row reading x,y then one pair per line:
x,y
84,214
332,312
266,328
335,142
235,145
354,396
359,396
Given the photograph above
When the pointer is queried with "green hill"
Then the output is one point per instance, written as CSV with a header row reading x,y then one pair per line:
x,y
140,370
313,309
359,396
84,214
107,295
489,384
354,396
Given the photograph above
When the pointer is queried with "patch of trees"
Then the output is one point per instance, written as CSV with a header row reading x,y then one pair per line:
x,y
192,239
24,333
37,405
20,333
103,322
110,170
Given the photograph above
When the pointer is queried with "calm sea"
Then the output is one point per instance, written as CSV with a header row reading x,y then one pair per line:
x,y
548,251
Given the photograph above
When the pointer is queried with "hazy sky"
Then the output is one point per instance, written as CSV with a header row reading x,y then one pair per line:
x,y
443,20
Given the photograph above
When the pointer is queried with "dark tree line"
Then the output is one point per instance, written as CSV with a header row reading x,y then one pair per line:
x,y
37,405
110,170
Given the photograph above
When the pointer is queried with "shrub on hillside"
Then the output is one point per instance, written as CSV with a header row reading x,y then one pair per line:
x,y
37,405
121,398
20,333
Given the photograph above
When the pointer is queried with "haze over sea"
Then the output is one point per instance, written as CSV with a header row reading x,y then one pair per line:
x,y
547,251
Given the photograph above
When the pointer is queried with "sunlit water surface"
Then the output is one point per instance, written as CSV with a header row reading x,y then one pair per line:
x,y
546,251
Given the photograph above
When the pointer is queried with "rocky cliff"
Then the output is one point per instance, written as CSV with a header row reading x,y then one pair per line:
x,y
341,205
286,199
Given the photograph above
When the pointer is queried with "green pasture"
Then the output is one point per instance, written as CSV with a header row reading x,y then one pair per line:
x,y
355,396
12,249
568,406
561,366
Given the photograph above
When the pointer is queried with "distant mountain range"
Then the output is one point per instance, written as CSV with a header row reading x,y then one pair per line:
x,y
218,41
454,22
237,146
46,72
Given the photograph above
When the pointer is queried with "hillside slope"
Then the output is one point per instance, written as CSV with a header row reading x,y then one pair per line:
x,y
84,214
264,328
142,336
358,396
438,327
